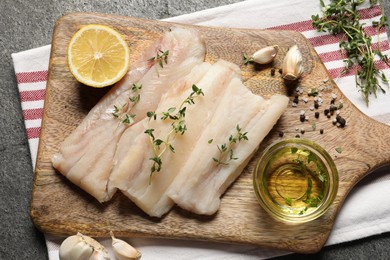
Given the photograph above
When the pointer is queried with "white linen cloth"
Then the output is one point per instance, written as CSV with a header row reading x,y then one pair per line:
x,y
365,212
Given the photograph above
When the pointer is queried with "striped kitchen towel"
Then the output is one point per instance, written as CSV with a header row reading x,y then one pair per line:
x,y
366,211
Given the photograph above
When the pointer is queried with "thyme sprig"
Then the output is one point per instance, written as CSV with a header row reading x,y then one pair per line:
x,y
247,59
342,17
123,113
178,126
226,153
310,199
161,58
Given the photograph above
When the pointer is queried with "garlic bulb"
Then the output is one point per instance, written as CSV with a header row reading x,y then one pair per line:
x,y
124,251
265,55
81,247
292,64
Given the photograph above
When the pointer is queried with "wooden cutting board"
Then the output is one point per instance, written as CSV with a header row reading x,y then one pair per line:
x,y
60,208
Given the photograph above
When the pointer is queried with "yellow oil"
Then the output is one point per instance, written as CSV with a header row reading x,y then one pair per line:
x,y
296,181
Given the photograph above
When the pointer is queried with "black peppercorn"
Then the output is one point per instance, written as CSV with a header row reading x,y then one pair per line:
x,y
321,131
317,114
341,121
326,112
272,72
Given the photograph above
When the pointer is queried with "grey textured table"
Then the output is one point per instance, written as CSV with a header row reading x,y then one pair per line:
x,y
28,24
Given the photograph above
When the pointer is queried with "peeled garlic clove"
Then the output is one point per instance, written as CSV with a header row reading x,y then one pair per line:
x,y
124,251
265,55
80,247
292,64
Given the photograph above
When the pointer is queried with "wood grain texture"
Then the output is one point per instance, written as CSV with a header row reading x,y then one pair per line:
x,y
60,208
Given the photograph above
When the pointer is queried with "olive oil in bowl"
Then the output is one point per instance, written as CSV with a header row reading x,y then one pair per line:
x,y
295,180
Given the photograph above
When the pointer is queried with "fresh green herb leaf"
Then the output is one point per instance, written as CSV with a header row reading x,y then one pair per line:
x,y
321,177
151,114
247,59
226,153
158,142
313,92
161,58
294,150
150,133
288,201
178,126
342,17
122,113
339,150
311,157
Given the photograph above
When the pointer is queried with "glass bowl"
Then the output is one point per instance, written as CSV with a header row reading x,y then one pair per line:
x,y
295,180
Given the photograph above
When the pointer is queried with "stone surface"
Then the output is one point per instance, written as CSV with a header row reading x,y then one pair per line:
x,y
28,24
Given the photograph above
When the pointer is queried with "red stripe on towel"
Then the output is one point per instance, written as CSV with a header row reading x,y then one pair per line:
x,y
32,95
31,77
32,114
33,132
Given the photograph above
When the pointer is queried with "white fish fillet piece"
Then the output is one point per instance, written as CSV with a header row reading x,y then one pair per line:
x,y
200,183
86,155
132,173
134,142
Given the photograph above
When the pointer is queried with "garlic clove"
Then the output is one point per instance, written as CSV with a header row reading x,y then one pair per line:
x,y
265,55
99,255
74,247
124,251
81,247
292,64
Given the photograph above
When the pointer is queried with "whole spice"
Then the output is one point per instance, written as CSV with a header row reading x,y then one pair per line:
x,y
80,247
326,112
292,64
342,17
124,251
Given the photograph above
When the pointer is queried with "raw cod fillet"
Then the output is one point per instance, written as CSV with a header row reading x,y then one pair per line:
x,y
201,182
86,155
131,174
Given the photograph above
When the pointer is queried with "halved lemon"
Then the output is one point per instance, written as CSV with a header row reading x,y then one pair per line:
x,y
98,56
